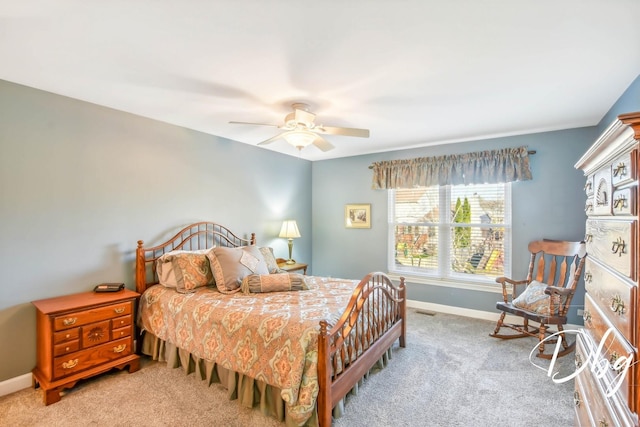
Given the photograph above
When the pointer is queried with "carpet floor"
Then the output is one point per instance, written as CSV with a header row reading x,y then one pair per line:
x,y
450,374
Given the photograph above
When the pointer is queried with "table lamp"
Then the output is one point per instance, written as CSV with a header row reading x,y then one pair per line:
x,y
289,231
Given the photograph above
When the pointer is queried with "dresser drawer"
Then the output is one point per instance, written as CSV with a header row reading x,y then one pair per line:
x,y
623,170
612,242
592,407
84,359
624,201
614,347
80,318
614,295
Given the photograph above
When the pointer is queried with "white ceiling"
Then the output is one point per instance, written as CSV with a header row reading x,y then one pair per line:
x,y
414,72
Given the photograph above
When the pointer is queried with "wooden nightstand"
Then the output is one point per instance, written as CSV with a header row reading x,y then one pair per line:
x,y
291,267
82,335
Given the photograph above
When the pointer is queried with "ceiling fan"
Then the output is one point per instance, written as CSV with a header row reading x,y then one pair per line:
x,y
300,129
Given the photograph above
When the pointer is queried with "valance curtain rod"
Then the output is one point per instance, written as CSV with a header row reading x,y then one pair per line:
x,y
482,167
530,152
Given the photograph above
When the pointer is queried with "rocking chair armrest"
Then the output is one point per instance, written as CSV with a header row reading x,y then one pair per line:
x,y
505,280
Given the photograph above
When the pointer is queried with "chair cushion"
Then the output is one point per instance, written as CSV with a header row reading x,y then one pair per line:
x,y
535,300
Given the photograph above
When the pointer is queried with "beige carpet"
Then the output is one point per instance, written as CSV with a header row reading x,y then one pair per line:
x,y
451,374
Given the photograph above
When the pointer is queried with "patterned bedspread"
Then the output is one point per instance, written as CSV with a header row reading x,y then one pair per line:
x,y
271,337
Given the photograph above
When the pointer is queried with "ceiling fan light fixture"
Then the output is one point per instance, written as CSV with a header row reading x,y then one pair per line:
x,y
299,139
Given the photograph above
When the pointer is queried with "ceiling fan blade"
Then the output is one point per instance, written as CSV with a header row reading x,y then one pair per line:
x,y
322,143
332,130
303,116
251,123
270,140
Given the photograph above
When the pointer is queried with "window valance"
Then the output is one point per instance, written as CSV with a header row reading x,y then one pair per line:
x,y
483,167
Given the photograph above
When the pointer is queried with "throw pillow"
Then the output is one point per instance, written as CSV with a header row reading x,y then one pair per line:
x,y
257,283
184,270
231,265
535,300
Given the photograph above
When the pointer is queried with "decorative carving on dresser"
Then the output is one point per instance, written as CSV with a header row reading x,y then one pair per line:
x,y
611,331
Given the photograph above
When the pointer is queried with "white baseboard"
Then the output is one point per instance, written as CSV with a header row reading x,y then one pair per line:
x,y
15,384
24,381
459,311
468,312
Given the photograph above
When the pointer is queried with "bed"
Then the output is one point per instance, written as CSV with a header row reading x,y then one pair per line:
x,y
294,351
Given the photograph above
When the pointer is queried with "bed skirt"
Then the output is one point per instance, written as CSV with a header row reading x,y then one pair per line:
x,y
248,391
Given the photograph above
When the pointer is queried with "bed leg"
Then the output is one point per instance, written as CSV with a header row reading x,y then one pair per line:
x,y
324,377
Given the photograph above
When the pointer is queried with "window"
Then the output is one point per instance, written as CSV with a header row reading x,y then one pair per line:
x,y
460,232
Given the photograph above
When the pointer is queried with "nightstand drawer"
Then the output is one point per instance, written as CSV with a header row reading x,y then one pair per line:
x,y
68,335
66,348
121,322
121,332
81,360
93,315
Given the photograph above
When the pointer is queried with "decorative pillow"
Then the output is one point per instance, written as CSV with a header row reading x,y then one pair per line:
x,y
184,270
270,259
257,283
534,299
231,265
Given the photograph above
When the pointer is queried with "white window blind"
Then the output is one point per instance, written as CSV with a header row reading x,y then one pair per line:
x,y
451,232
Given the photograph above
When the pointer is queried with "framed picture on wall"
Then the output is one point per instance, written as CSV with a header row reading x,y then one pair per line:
x,y
357,216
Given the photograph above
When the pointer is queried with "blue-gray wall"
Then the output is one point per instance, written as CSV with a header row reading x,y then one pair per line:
x,y
550,206
80,184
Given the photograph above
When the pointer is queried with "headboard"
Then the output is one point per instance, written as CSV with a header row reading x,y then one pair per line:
x,y
200,235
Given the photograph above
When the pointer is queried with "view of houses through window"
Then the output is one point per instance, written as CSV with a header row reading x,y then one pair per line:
x,y
451,231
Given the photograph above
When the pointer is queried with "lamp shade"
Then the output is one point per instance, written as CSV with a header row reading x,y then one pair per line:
x,y
289,229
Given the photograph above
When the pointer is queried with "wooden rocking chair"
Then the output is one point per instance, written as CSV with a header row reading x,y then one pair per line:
x,y
557,266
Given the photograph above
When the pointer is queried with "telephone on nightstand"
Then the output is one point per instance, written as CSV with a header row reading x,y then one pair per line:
x,y
109,287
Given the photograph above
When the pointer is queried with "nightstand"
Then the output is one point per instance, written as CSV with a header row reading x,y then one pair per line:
x,y
82,335
291,267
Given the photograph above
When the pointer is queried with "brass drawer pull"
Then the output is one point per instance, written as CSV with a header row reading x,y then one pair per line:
x,y
578,361
603,423
588,277
70,321
618,247
576,399
621,170
620,203
70,364
120,348
617,305
586,316
119,310
612,361
588,238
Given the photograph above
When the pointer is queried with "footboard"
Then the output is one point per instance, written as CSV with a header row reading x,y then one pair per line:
x,y
373,320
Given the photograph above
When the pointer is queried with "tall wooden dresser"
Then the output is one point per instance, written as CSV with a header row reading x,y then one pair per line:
x,y
607,389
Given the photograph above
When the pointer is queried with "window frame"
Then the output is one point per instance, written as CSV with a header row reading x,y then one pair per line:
x,y
445,276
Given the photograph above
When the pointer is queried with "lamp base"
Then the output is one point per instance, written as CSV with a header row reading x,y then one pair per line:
x,y
290,261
